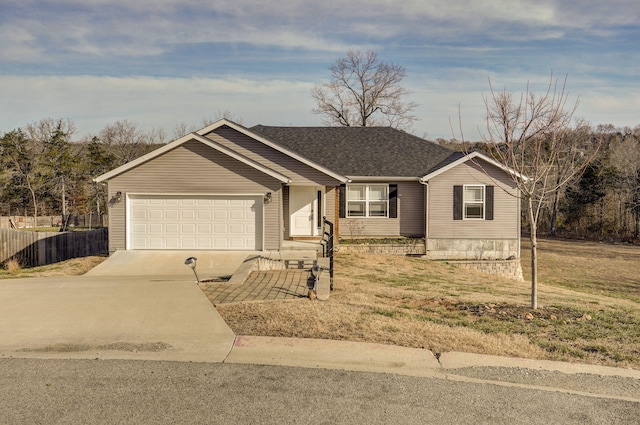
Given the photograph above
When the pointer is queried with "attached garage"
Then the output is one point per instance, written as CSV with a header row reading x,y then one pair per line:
x,y
229,222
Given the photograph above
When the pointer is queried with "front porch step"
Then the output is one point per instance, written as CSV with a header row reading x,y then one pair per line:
x,y
306,263
296,245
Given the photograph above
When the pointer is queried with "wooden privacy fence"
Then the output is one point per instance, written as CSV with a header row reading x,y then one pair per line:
x,y
91,221
32,249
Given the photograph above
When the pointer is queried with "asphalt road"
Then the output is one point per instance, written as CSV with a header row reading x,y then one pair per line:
x,y
38,391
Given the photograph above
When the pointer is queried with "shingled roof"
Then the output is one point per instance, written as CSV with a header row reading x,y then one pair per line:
x,y
362,151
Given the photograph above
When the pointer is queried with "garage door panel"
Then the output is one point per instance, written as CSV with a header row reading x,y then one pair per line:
x,y
139,228
236,243
188,242
205,243
220,228
236,228
205,228
153,228
236,215
170,214
171,228
205,214
139,214
176,222
220,214
170,243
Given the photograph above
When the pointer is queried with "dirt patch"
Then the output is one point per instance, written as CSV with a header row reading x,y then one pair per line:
x,y
500,311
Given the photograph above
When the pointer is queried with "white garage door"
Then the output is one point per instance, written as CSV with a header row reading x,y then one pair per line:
x,y
195,222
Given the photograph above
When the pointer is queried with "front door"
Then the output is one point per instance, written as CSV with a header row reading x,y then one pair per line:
x,y
304,207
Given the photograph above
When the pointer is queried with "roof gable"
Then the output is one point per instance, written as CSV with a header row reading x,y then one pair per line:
x,y
461,158
305,159
189,137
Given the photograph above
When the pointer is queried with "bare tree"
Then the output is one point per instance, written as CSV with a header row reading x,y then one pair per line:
x,y
183,129
125,140
530,134
364,91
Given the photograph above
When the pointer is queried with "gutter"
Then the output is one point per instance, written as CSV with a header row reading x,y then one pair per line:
x,y
383,179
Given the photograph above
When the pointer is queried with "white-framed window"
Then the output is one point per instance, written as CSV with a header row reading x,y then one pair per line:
x,y
473,202
367,200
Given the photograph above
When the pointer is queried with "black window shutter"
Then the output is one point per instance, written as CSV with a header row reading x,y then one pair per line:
x,y
393,201
457,202
342,197
488,212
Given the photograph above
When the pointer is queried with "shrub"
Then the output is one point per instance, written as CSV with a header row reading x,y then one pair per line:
x,y
12,266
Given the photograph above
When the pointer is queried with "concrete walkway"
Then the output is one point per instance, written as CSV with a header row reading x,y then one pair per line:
x,y
270,285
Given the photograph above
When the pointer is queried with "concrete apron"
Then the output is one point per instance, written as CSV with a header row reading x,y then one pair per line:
x,y
106,317
171,264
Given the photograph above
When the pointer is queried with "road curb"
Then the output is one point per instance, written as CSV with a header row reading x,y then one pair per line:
x,y
330,354
458,360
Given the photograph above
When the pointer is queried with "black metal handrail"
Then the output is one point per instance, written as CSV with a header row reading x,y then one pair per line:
x,y
327,245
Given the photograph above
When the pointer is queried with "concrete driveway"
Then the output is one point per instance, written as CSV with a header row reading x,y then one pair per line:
x,y
170,264
131,306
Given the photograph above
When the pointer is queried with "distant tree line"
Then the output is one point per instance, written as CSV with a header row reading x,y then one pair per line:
x,y
46,170
602,202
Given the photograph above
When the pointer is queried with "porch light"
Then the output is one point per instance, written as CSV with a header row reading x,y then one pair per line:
x,y
267,197
115,198
191,262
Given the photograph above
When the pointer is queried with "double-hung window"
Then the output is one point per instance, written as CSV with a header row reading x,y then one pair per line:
x,y
367,200
473,202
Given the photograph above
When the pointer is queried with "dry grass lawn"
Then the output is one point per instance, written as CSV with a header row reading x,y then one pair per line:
x,y
589,298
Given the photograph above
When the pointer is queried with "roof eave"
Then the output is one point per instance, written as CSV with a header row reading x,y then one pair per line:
x,y
376,179
261,139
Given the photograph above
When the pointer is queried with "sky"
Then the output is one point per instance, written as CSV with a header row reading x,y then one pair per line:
x,y
163,63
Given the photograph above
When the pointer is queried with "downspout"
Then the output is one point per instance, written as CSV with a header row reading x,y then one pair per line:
x,y
426,215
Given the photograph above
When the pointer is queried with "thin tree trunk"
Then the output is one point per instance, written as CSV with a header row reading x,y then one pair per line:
x,y
554,213
554,208
35,203
64,200
534,257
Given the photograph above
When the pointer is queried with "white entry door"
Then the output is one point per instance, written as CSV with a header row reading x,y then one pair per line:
x,y
304,202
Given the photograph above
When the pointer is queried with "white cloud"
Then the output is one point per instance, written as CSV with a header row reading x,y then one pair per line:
x,y
92,102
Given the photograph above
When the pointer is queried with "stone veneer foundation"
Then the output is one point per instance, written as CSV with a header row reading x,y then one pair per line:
x,y
511,269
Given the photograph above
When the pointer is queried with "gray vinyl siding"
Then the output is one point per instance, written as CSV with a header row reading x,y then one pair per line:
x,y
330,207
298,172
411,209
194,168
286,214
409,223
506,220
